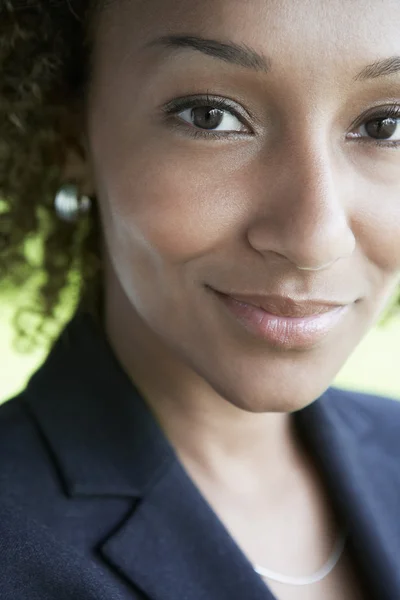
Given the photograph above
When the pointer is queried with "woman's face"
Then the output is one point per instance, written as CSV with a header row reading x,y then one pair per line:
x,y
293,160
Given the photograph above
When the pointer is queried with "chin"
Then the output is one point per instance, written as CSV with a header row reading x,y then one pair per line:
x,y
272,405
280,398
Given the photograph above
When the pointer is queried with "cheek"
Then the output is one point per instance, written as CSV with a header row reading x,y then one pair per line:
x,y
376,224
175,206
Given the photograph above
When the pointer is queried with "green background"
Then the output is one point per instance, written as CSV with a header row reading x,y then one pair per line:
x,y
373,366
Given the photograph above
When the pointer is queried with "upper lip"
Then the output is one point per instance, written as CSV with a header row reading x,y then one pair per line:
x,y
286,306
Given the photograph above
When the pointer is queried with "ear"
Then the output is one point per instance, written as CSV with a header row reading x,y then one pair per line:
x,y
77,166
77,170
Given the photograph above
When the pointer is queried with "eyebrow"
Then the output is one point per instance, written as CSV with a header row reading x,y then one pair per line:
x,y
380,68
238,54
244,56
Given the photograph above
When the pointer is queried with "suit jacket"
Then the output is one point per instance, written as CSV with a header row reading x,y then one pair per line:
x,y
95,505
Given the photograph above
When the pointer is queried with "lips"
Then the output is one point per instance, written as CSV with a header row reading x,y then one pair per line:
x,y
285,323
285,306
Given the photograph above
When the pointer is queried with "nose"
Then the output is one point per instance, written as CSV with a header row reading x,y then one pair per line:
x,y
305,216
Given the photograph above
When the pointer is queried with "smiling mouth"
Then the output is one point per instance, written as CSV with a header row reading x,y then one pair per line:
x,y
285,322
285,306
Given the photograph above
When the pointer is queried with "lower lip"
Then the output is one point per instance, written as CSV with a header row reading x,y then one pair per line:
x,y
285,332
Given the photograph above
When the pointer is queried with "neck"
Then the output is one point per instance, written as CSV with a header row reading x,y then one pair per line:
x,y
210,434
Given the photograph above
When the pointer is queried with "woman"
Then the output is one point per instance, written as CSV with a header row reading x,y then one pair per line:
x,y
225,176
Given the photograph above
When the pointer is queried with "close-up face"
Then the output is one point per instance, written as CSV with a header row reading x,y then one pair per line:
x,y
250,149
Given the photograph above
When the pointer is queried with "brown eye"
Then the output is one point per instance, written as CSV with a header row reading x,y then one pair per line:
x,y
207,117
382,129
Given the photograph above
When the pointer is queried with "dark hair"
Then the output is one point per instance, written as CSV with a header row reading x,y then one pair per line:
x,y
45,67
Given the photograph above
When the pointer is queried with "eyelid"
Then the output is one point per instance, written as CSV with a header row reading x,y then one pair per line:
x,y
207,99
385,111
378,113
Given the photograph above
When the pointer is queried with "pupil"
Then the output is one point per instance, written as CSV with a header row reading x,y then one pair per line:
x,y
382,128
207,117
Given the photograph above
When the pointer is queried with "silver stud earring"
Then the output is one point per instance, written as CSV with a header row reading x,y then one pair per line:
x,y
69,205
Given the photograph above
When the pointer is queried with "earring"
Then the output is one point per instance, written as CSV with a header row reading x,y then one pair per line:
x,y
69,206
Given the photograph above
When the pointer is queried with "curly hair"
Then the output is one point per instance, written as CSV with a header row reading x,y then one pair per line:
x,y
44,61
45,68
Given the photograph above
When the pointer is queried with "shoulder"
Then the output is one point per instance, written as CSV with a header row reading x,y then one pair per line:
x,y
45,536
375,418
17,430
352,421
378,406
24,459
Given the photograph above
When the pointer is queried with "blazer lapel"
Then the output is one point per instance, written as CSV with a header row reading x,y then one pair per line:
x,y
356,445
174,547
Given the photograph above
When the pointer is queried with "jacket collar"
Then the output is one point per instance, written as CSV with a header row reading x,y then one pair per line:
x,y
355,442
107,442
88,407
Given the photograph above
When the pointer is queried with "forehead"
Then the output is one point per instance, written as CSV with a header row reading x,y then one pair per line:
x,y
303,36
263,17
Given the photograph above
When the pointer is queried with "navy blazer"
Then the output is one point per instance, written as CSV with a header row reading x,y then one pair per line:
x,y
95,505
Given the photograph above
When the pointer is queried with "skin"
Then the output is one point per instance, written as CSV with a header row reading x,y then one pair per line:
x,y
242,213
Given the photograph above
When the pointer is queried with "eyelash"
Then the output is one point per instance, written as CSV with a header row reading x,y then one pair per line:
x,y
380,114
176,106
181,104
